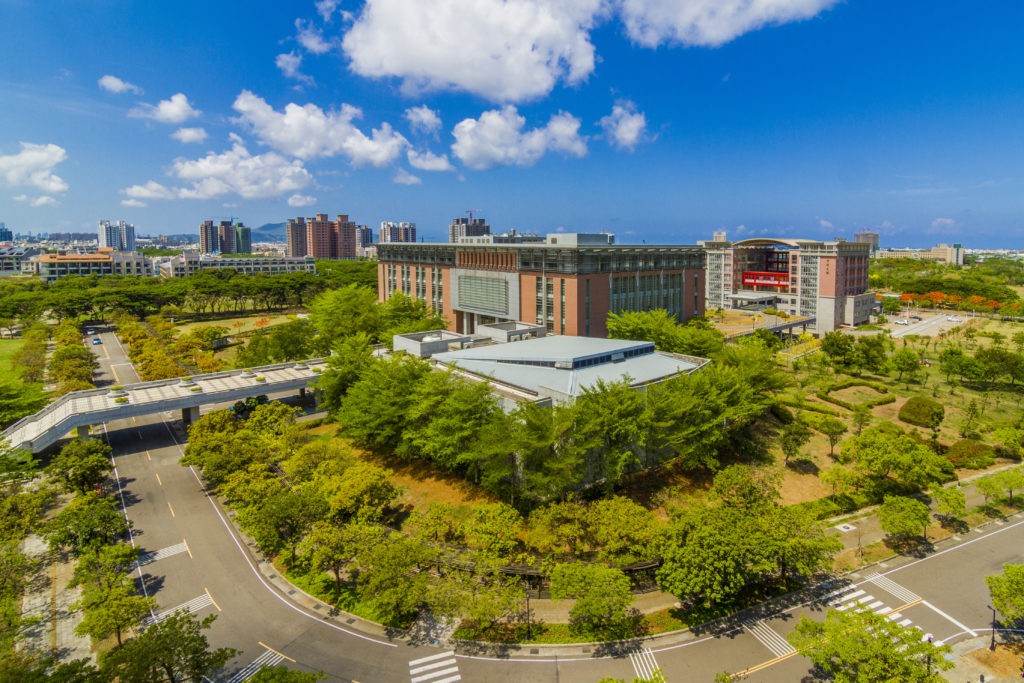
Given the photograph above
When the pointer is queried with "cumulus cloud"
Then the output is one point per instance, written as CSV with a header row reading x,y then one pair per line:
x,y
944,224
289,64
33,167
428,161
625,127
423,119
325,8
115,84
36,201
308,132
133,203
825,224
301,200
497,137
189,134
151,190
403,177
505,50
312,38
175,110
708,23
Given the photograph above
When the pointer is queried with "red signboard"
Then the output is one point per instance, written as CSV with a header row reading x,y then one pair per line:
x,y
765,279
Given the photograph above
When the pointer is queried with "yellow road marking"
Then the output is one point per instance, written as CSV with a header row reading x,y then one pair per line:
x,y
105,353
772,662
148,456
187,550
158,479
276,652
114,373
220,610
171,509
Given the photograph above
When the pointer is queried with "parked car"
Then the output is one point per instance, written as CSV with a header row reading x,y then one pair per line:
x,y
96,341
89,332
954,319
902,321
916,317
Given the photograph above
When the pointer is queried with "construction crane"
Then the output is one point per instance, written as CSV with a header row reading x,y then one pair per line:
x,y
470,212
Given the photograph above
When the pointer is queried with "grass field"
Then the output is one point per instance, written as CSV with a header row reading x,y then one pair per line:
x,y
243,323
9,347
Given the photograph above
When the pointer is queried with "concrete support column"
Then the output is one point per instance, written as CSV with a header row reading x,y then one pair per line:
x,y
83,432
317,397
189,415
302,392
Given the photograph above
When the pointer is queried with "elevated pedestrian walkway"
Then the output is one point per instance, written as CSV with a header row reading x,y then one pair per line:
x,y
82,409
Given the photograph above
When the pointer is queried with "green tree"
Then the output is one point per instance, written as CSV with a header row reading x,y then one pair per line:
x,y
744,488
81,465
111,610
494,528
903,517
601,593
833,428
889,461
950,502
175,649
856,647
837,346
105,566
621,531
28,667
89,521
346,311
795,436
282,674
361,491
351,356
990,487
1007,591
1010,480
391,577
861,418
906,361
796,541
612,420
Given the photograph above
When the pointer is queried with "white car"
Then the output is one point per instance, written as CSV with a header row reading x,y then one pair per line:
x,y
954,319
902,321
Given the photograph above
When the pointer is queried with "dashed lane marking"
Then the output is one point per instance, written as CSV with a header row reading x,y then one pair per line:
x,y
187,550
170,508
218,606
158,479
644,663
439,668
169,551
193,605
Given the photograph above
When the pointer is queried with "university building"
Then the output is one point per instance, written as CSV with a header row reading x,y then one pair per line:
x,y
568,283
827,281
191,263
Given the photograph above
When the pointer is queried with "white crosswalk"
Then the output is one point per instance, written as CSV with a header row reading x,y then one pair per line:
x,y
268,658
858,600
169,551
644,663
440,668
768,637
892,587
193,605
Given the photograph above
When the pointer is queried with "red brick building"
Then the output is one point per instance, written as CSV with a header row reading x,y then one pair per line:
x,y
321,237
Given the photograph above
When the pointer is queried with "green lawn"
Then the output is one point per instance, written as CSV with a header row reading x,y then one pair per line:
x,y
238,324
9,347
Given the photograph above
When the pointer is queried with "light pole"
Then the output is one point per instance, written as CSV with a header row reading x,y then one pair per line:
x,y
992,646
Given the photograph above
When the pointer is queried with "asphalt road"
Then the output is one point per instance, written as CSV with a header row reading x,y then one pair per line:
x,y
200,561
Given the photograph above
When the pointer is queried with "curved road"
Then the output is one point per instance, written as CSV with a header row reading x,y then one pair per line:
x,y
200,561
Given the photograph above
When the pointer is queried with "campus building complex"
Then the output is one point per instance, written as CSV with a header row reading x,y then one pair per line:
x,y
224,238
119,236
321,237
190,264
52,267
568,284
943,253
467,227
824,280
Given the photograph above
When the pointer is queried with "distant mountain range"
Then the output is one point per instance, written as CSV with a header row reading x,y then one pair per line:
x,y
269,232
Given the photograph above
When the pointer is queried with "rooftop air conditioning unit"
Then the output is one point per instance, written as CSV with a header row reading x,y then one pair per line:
x,y
618,357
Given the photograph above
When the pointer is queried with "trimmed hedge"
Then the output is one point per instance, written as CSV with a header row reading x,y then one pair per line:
x,y
919,410
971,454
825,394
806,405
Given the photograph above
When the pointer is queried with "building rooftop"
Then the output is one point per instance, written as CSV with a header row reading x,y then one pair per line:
x,y
562,367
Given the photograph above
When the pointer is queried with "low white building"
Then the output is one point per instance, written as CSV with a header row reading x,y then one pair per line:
x,y
190,264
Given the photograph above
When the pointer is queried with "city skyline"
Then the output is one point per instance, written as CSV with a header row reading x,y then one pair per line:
x,y
657,121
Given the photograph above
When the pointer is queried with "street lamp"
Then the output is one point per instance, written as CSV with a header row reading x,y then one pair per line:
x,y
992,646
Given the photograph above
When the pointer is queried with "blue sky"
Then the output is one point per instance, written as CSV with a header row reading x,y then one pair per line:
x,y
658,120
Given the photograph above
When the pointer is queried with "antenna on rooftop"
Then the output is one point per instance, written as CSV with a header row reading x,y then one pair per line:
x,y
470,212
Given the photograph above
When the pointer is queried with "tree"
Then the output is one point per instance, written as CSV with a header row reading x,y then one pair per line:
x,y
795,436
990,487
111,610
833,428
361,492
855,647
1011,480
861,418
342,312
494,529
971,415
656,677
391,579
903,517
28,667
89,521
174,649
837,346
350,358
104,566
81,465
894,461
601,593
282,674
950,502
1007,591
906,361
796,541
743,488
329,547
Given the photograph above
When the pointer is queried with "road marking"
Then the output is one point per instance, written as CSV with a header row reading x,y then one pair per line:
x,y
169,551
187,549
171,509
644,663
140,435
268,658
158,479
148,456
279,654
943,614
430,669
768,637
220,610
892,587
193,605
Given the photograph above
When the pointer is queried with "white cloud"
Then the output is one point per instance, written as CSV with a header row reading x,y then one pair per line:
x,y
151,190
133,203
325,8
312,38
189,134
33,167
428,161
289,64
115,84
403,177
708,22
825,224
944,224
423,119
497,137
175,110
308,132
504,50
37,201
625,127
301,200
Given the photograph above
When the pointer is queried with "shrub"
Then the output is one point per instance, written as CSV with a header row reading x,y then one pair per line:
x,y
121,399
890,428
782,413
922,411
971,454
805,405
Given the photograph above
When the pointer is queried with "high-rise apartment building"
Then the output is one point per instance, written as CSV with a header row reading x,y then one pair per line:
x,y
827,281
119,236
392,231
364,236
569,283
867,238
5,234
224,238
243,239
467,227
321,237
